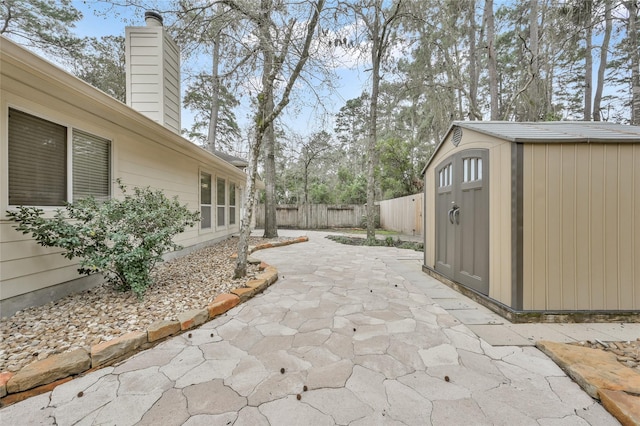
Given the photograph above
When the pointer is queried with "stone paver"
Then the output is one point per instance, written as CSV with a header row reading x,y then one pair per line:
x,y
348,335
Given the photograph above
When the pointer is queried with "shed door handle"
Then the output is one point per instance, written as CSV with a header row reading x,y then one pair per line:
x,y
453,215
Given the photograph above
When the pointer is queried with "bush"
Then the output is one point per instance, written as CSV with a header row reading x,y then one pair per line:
x,y
123,239
364,220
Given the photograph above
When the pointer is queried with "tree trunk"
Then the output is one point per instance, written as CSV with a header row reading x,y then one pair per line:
x,y
372,156
265,115
492,61
603,61
532,113
215,99
474,111
245,224
270,225
588,71
632,36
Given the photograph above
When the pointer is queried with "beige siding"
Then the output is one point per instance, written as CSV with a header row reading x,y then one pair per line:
x,y
500,255
499,208
172,84
403,214
581,233
153,75
143,154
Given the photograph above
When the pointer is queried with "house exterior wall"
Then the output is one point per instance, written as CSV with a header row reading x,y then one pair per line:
x,y
500,278
143,153
581,214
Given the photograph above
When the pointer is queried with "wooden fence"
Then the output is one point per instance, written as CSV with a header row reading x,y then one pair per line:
x,y
404,214
315,216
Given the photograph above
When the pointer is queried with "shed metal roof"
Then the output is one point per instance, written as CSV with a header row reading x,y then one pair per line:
x,y
549,132
556,131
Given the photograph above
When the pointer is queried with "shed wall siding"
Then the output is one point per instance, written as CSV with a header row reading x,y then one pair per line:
x,y
500,222
581,227
499,208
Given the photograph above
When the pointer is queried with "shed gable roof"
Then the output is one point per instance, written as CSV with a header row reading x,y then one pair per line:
x,y
548,132
556,131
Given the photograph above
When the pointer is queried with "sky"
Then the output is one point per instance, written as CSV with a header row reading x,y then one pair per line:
x,y
101,19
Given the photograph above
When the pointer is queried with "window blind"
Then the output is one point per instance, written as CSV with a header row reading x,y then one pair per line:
x,y
37,161
205,201
221,197
232,204
91,171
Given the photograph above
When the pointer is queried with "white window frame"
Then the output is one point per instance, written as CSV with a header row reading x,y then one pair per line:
x,y
224,205
234,206
212,217
68,160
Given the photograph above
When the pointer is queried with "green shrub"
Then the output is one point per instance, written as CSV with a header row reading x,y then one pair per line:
x,y
364,220
123,239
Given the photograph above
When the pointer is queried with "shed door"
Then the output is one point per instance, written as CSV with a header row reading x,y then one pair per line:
x,y
462,219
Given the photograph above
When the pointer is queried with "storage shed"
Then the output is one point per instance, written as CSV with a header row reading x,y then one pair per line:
x,y
538,221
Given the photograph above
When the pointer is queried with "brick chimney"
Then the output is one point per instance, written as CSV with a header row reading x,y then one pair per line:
x,y
153,72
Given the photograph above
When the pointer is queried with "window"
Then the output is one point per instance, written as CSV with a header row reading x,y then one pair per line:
x,y
445,176
205,201
232,203
472,168
90,166
221,198
38,168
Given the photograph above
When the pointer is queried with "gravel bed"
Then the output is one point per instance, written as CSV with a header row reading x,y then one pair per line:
x,y
627,353
84,319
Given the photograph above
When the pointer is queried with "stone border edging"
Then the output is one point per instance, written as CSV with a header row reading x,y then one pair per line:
x,y
602,378
43,376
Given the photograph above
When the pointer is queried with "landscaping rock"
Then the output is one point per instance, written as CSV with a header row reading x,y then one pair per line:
x,y
244,293
104,352
229,299
221,304
49,370
192,318
624,407
4,378
258,285
602,372
161,329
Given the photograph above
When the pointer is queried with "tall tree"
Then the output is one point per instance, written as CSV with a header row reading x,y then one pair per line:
x,y
199,97
102,64
380,25
351,132
604,51
294,39
311,151
42,24
633,36
492,64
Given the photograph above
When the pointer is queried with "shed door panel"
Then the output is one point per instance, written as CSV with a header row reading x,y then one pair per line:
x,y
462,219
445,231
473,216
